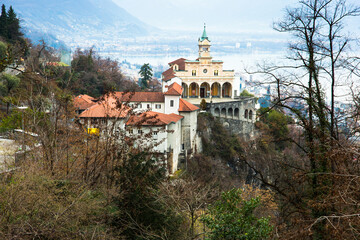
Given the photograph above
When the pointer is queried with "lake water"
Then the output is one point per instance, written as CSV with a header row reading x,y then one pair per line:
x,y
237,62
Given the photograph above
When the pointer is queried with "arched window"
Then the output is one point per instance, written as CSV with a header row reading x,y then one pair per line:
x,y
230,113
223,113
246,114
236,113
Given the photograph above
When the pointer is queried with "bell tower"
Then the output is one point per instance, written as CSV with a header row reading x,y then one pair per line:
x,y
204,48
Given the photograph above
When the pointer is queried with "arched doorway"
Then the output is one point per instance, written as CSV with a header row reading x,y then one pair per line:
x,y
204,90
194,90
215,90
226,90
185,90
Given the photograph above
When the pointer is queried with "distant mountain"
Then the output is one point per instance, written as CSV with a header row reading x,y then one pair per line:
x,y
77,20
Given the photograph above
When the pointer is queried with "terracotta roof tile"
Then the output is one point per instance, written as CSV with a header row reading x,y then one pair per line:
x,y
168,74
140,96
185,106
174,89
83,101
153,119
108,107
180,62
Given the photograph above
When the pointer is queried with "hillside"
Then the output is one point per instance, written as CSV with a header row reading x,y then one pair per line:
x,y
77,20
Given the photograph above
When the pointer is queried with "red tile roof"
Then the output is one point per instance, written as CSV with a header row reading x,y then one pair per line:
x,y
153,119
185,106
168,74
140,96
108,107
180,62
83,101
174,90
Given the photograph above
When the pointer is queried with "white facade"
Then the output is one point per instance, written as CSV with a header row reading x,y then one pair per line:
x,y
172,104
189,125
148,106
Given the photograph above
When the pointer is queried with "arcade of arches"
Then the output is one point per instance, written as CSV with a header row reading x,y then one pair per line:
x,y
233,113
216,90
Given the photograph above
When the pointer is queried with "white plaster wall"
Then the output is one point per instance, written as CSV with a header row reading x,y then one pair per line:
x,y
109,124
189,125
158,143
174,142
175,108
236,87
142,106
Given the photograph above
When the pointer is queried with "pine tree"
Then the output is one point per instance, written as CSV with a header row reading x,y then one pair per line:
x,y
3,22
13,26
146,75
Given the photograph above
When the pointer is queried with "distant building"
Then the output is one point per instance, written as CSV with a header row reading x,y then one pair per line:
x,y
265,100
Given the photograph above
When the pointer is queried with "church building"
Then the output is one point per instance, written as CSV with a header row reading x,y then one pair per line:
x,y
203,78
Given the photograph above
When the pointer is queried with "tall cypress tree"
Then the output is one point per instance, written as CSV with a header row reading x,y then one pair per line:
x,y
3,22
13,26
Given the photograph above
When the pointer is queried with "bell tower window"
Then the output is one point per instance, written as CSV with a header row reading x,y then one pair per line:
x,y
193,72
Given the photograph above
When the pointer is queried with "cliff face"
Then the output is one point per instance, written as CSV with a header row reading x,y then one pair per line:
x,y
220,146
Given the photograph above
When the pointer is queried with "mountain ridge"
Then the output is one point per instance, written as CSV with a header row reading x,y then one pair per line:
x,y
81,19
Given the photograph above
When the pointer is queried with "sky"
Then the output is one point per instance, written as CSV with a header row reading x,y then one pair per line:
x,y
219,15
233,16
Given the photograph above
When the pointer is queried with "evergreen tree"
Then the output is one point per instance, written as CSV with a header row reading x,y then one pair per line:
x,y
146,75
13,26
3,22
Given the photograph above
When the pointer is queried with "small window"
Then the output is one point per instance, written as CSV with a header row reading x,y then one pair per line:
x,y
183,146
155,133
140,131
148,106
158,106
205,49
194,72
140,105
216,73
171,103
130,131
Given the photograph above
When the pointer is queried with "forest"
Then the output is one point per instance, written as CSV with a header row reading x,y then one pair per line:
x,y
298,179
